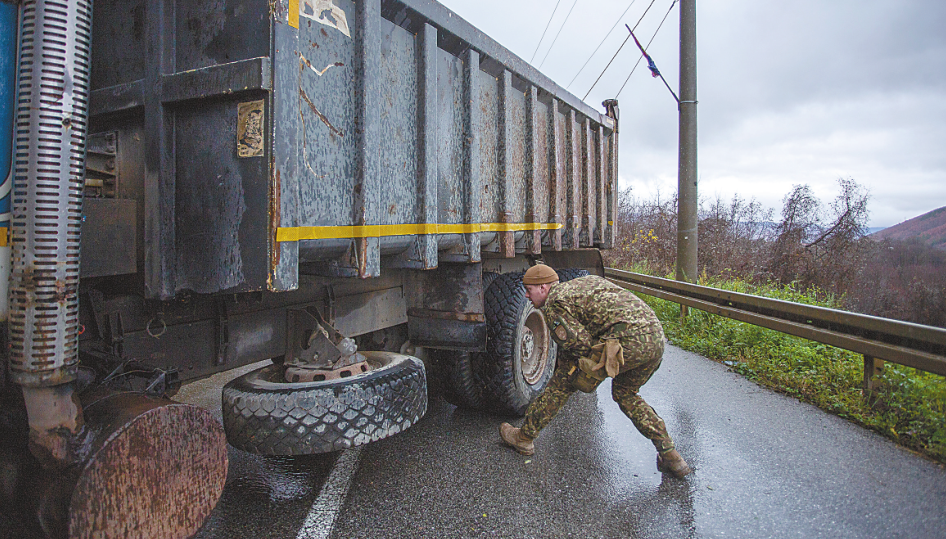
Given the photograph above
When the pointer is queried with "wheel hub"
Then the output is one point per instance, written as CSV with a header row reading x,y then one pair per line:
x,y
528,342
533,347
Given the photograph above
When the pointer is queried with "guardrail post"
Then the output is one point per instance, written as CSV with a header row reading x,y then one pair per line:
x,y
872,367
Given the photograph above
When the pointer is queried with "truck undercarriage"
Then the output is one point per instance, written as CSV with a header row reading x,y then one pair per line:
x,y
349,189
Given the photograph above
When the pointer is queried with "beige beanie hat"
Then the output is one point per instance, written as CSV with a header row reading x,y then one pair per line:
x,y
539,274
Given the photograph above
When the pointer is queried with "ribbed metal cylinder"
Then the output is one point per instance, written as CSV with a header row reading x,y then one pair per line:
x,y
51,117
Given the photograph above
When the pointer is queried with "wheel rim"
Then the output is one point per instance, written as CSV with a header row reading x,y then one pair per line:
x,y
274,376
533,347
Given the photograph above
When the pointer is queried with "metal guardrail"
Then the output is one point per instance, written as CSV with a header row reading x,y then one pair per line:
x,y
914,345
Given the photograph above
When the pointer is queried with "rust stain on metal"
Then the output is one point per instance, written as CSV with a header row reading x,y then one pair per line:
x,y
321,116
446,315
158,471
62,291
557,235
507,238
536,242
275,217
363,257
58,437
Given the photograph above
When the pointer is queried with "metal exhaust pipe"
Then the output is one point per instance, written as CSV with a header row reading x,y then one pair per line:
x,y
51,120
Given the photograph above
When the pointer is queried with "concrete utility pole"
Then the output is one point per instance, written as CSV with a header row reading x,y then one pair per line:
x,y
687,172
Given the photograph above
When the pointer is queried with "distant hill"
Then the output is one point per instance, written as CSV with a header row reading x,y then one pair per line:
x,y
930,228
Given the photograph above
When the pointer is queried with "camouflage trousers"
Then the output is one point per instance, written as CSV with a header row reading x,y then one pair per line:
x,y
624,388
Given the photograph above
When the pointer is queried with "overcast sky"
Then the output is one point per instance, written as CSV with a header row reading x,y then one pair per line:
x,y
790,92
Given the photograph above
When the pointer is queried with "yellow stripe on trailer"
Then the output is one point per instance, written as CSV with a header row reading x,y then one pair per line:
x,y
294,14
299,233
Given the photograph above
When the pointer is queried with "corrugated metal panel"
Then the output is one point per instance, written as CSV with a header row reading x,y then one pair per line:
x,y
394,134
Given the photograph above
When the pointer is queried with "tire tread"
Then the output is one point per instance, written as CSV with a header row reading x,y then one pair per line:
x,y
326,418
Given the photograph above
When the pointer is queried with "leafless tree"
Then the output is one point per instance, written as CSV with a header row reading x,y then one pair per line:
x,y
821,246
732,237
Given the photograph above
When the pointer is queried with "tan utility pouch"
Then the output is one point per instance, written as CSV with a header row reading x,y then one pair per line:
x,y
581,381
606,361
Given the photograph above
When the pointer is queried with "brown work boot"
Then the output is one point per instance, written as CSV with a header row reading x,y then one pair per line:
x,y
671,462
515,439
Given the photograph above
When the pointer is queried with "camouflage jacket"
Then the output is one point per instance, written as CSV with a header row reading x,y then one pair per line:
x,y
584,311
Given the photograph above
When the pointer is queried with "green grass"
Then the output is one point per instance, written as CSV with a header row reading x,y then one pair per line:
x,y
909,406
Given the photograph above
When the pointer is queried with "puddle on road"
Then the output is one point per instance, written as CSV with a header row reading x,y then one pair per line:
x,y
650,499
267,496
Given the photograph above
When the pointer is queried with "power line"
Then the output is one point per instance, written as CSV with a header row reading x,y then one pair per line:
x,y
546,30
648,46
618,21
559,33
619,50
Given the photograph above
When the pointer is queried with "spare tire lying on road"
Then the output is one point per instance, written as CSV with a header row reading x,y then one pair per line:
x,y
264,414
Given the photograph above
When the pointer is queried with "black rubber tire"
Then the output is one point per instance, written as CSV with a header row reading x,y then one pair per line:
x,y
264,415
462,386
568,274
488,278
454,368
458,384
505,388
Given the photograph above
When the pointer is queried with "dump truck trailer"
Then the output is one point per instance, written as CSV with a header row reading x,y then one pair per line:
x,y
351,189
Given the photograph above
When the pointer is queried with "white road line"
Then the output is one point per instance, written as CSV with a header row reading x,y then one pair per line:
x,y
321,519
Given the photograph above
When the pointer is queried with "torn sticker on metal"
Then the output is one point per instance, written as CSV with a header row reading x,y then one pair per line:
x,y
250,118
325,12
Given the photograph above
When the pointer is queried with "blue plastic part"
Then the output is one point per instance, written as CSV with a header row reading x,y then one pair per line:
x,y
8,33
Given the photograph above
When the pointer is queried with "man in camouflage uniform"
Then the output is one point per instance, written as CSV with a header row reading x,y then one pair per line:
x,y
601,330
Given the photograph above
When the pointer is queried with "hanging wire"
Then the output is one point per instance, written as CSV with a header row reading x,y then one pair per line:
x,y
648,46
546,30
559,33
619,50
616,23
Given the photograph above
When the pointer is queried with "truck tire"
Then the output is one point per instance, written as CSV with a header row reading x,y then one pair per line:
x,y
458,384
488,278
454,368
520,355
263,414
568,274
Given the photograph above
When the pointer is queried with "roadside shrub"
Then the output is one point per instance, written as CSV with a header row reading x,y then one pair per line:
x,y
908,408
814,247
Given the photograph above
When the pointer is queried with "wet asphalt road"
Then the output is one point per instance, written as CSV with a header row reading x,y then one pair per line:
x,y
765,466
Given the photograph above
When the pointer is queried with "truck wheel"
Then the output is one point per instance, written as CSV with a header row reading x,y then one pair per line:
x,y
520,355
488,278
568,274
458,384
265,415
454,369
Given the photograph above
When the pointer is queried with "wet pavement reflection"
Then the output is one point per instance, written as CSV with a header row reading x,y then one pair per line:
x,y
267,496
765,466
